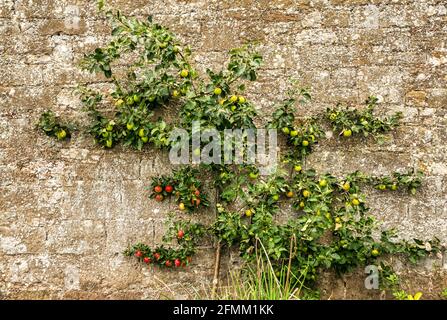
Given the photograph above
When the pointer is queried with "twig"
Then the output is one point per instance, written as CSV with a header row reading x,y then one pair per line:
x,y
216,272
292,242
217,260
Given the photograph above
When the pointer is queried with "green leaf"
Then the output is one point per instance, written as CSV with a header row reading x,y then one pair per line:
x,y
116,31
108,73
100,5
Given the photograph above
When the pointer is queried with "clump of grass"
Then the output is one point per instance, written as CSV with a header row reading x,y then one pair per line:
x,y
260,281
256,280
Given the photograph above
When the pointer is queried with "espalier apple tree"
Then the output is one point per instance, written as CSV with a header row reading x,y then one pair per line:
x,y
330,225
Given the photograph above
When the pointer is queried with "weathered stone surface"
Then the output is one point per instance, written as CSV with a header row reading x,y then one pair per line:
x,y
68,210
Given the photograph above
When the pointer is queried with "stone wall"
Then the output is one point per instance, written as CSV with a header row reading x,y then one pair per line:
x,y
67,210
